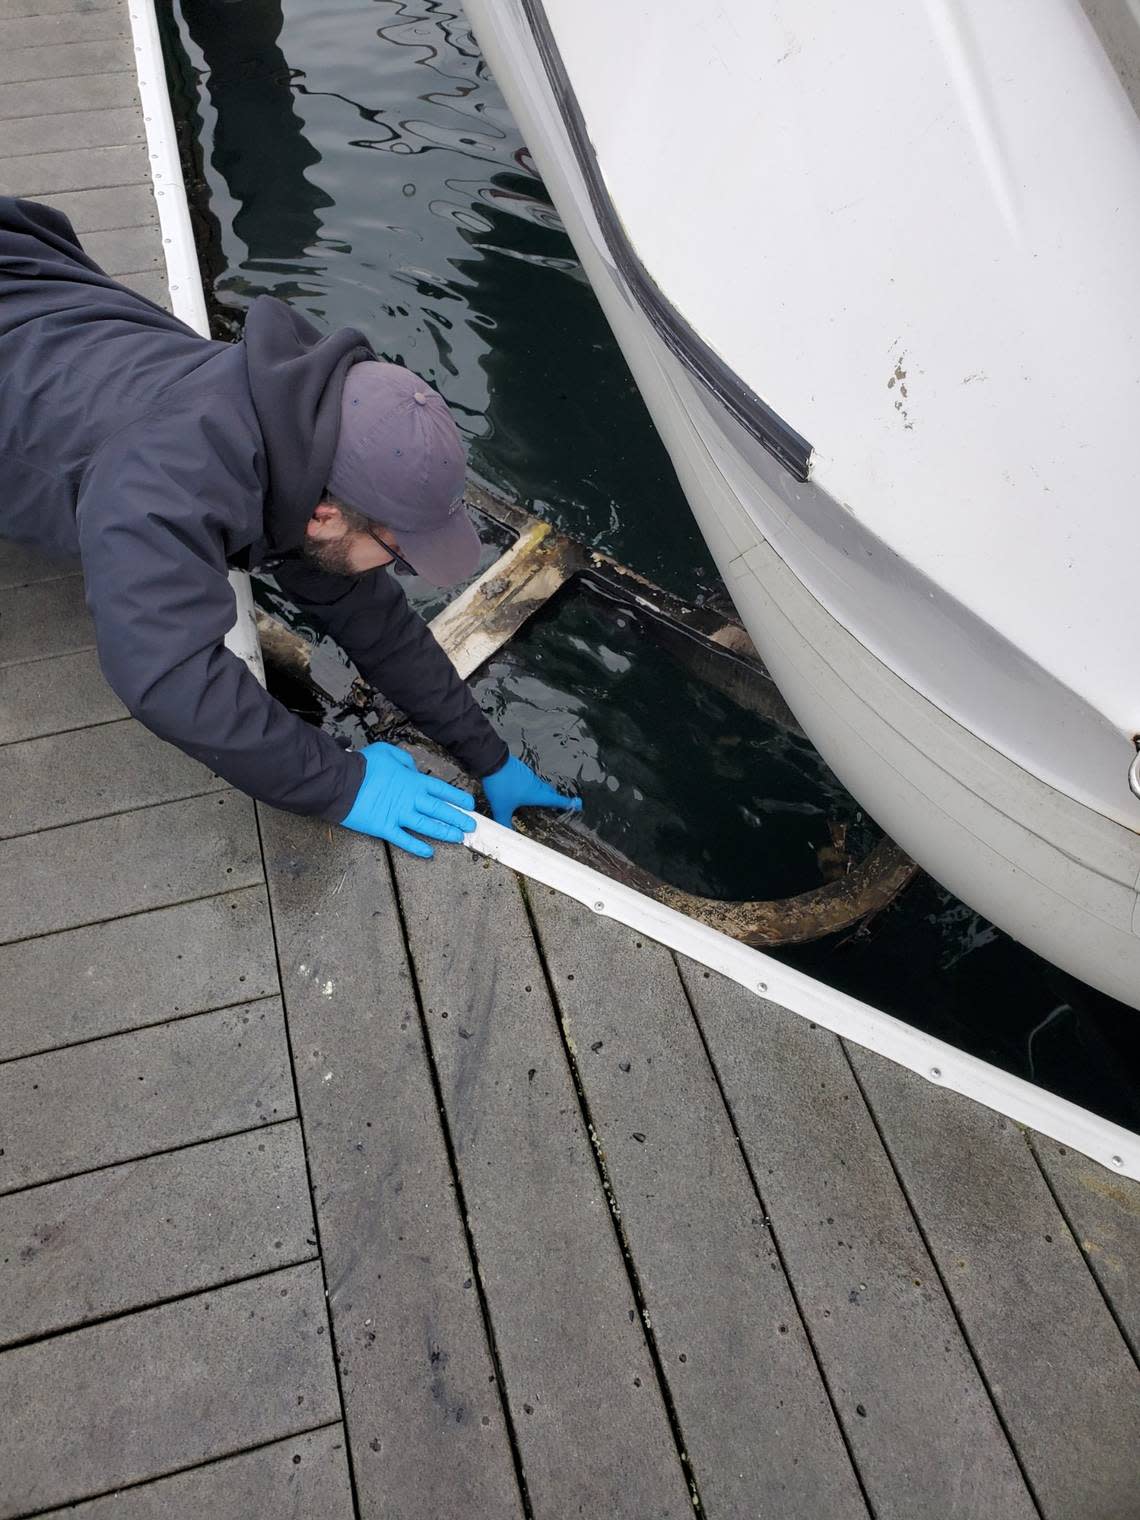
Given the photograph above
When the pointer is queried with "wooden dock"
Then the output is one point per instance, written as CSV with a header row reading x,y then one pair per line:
x,y
334,1183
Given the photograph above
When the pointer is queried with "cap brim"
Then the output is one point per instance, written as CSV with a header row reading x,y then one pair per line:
x,y
445,555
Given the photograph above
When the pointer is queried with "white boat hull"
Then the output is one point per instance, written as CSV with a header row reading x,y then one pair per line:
x,y
1055,873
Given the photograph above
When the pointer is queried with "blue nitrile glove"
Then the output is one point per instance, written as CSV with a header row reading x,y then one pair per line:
x,y
515,785
394,797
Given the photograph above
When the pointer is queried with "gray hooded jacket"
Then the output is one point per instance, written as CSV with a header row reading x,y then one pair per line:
x,y
163,458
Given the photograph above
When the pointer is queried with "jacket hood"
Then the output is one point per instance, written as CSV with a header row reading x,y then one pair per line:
x,y
296,376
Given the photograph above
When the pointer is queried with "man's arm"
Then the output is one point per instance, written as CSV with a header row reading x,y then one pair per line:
x,y
157,513
395,651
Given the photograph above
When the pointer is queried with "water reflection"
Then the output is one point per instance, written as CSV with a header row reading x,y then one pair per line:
x,y
259,146
673,775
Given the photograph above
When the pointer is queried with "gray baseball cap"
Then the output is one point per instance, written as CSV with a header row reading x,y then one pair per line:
x,y
400,461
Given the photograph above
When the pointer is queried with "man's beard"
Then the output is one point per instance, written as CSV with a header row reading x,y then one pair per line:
x,y
329,555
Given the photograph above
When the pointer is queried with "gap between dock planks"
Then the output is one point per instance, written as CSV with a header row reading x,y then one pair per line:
x,y
1051,1350
423,1402
593,1427
804,1162
132,1398
160,1305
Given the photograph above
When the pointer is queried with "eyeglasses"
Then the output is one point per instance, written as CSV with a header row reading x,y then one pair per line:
x,y
397,557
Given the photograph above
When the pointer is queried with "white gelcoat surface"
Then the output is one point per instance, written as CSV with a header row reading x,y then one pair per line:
x,y
943,195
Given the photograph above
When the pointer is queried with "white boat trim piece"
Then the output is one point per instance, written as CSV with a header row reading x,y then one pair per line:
x,y
183,276
938,1062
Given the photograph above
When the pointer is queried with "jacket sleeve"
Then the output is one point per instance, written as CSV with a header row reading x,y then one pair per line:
x,y
395,651
158,511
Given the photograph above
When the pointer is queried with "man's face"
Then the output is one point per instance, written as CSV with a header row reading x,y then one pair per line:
x,y
335,547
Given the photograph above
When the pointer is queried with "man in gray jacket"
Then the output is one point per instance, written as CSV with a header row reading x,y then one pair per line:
x,y
163,459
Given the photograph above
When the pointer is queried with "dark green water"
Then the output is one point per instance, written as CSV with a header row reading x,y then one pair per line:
x,y
357,161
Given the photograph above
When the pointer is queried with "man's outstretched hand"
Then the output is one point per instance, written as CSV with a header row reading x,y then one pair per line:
x,y
515,785
395,797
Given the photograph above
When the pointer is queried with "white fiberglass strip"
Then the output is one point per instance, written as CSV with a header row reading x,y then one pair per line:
x,y
182,274
940,1063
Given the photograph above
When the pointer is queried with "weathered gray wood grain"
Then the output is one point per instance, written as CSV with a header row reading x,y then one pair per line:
x,y
91,773
126,250
43,619
20,565
1104,1213
151,285
85,983
108,128
38,176
1060,1372
757,1422
104,210
303,1478
38,30
918,1418
132,1094
136,1397
61,61
590,1420
424,1415
128,863
129,1236
19,8
92,92
53,696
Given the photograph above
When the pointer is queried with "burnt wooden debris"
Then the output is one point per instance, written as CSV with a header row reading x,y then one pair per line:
x,y
336,1184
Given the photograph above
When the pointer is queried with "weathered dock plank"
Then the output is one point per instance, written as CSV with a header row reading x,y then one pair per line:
x,y
108,128
106,209
54,696
757,1422
40,30
19,565
43,619
89,872
150,284
917,1415
1060,1372
60,61
91,92
421,1401
91,773
126,250
590,1420
303,1478
129,1236
40,176
81,984
128,1095
15,9
137,1397
1103,1212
